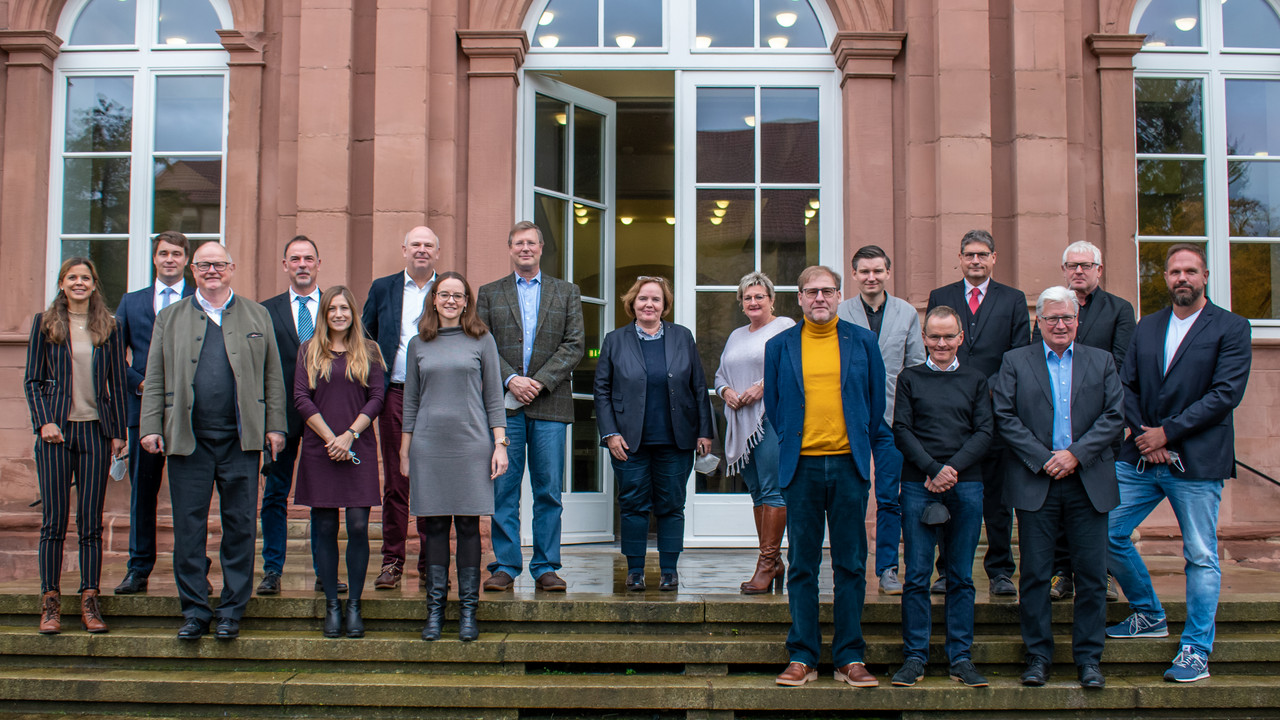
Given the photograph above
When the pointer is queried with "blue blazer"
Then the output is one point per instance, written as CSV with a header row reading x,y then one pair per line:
x,y
1195,400
381,316
136,317
862,395
47,382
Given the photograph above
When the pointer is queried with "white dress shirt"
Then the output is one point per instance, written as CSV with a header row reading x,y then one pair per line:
x,y
982,290
412,304
214,313
157,296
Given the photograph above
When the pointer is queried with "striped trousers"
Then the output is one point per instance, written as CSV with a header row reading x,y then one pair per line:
x,y
83,458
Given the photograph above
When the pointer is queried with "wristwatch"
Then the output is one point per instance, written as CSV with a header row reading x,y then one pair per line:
x,y
504,442
354,435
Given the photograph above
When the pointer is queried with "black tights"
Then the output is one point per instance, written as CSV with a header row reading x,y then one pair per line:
x,y
468,529
324,523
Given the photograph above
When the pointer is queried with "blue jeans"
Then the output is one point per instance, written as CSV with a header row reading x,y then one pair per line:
x,y
1195,503
960,535
761,472
543,441
652,479
275,509
888,510
827,492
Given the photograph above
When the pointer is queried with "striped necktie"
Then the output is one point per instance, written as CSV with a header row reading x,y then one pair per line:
x,y
306,326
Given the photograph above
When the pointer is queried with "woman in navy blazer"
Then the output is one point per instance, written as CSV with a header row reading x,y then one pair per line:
x,y
78,429
653,411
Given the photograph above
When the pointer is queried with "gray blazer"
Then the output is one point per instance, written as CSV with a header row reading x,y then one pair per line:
x,y
901,345
557,347
172,365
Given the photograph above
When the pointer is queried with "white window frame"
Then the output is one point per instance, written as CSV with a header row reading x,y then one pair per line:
x,y
144,62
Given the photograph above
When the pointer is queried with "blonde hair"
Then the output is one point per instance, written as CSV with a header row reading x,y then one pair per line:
x,y
361,352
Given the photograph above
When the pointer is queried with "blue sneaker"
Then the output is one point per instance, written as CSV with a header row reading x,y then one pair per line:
x,y
1139,625
1190,665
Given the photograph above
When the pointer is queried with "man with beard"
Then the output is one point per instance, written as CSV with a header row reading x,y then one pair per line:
x,y
1183,376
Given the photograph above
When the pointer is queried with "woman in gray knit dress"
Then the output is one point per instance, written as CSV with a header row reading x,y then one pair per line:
x,y
454,442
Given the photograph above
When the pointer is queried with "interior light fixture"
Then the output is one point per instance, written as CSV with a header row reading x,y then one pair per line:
x,y
785,19
814,203
806,221
702,41
548,41
810,213
175,41
722,203
562,118
1262,153
546,18
750,120
1154,44
580,211
626,220
719,212
715,220
582,221
671,220
625,41
778,42
1185,24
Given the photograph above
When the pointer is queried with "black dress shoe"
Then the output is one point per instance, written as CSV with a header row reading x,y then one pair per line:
x,y
227,629
1037,672
1091,677
133,583
1002,585
342,587
635,579
193,629
669,581
270,584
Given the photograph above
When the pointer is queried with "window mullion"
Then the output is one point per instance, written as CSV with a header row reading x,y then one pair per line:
x,y
1217,191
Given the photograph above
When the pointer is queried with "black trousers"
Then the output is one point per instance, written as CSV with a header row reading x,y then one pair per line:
x,y
146,470
216,462
1066,508
83,457
997,517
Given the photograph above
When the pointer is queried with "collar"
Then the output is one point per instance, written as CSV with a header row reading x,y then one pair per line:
x,y
867,306
827,329
409,281
537,279
1049,353
209,307
1088,299
955,364
177,287
662,330
314,296
982,289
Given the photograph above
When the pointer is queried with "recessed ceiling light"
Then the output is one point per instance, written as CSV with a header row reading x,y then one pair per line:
x,y
785,19
814,203
562,118
1185,24
778,42
548,41
546,18
582,221
750,120
625,41
702,41
719,212
722,203
716,220
671,220
626,220
177,41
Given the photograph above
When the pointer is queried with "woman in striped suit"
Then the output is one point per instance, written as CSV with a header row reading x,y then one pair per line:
x,y
75,388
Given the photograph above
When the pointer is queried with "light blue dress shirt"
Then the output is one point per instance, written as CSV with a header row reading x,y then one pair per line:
x,y
530,294
1060,390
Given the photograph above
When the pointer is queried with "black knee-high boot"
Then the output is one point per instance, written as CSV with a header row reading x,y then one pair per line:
x,y
437,590
469,597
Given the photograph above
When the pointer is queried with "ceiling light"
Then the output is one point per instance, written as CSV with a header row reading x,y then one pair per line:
x,y
671,220
719,212
716,220
178,41
546,18
785,19
1185,24
723,203
778,42
625,41
806,221
579,211
626,220
1262,153
810,213
562,118
1154,44
750,120
548,41
702,41
582,221
814,203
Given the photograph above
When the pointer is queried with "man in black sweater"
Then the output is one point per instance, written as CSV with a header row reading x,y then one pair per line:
x,y
942,424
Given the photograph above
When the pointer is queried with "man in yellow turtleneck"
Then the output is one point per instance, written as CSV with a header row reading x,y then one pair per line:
x,y
824,393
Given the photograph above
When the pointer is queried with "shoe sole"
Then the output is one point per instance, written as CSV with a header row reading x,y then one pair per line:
x,y
1148,634
904,683
554,588
841,677
960,680
1034,683
384,586
808,678
1201,676
890,591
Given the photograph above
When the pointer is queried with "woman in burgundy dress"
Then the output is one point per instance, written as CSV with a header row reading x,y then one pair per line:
x,y
339,389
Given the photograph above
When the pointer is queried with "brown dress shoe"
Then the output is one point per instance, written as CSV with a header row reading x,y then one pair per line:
x,y
90,616
551,582
499,581
857,675
51,613
389,579
797,674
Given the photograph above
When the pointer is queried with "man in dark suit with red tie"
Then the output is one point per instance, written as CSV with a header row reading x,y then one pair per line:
x,y
995,320
136,316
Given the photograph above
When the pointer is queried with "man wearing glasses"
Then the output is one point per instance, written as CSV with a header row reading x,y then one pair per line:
x,y
213,396
995,320
1058,407
824,393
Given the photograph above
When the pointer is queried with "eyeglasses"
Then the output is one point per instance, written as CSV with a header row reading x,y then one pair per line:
x,y
1074,266
651,278
456,297
207,266
940,338
827,292
1054,320
975,255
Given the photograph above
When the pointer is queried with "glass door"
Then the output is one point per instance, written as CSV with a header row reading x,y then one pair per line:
x,y
568,160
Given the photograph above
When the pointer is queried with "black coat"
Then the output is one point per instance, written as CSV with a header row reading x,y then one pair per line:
x,y
136,317
1001,325
281,312
381,315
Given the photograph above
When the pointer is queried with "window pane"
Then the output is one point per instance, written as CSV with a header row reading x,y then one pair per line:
x,y
99,114
788,233
726,23
548,215
1153,292
718,315
1255,280
1250,24
105,22
588,158
789,135
188,195
726,135
789,23
787,303
586,448
1253,117
1254,194
584,375
110,257
550,125
1170,197
189,113
586,250
726,241
95,196
569,23
188,22
1171,23
638,19
1169,115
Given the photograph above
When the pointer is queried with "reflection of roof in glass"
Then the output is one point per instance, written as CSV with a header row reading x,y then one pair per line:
x,y
199,181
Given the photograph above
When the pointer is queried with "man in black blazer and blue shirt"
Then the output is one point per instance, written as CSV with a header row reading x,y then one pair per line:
x,y
1057,405
390,317
1184,375
136,315
995,321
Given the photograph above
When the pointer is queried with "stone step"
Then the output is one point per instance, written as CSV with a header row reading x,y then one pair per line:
x,y
335,694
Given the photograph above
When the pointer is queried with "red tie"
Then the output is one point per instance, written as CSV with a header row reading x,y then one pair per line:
x,y
973,301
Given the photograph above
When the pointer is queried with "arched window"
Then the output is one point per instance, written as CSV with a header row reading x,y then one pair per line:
x,y
1207,91
139,134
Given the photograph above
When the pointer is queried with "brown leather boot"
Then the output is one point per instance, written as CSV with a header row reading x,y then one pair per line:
x,y
770,570
51,613
90,617
757,511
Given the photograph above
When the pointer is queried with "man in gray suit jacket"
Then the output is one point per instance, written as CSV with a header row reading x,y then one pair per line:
x,y
1058,405
536,321
897,326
